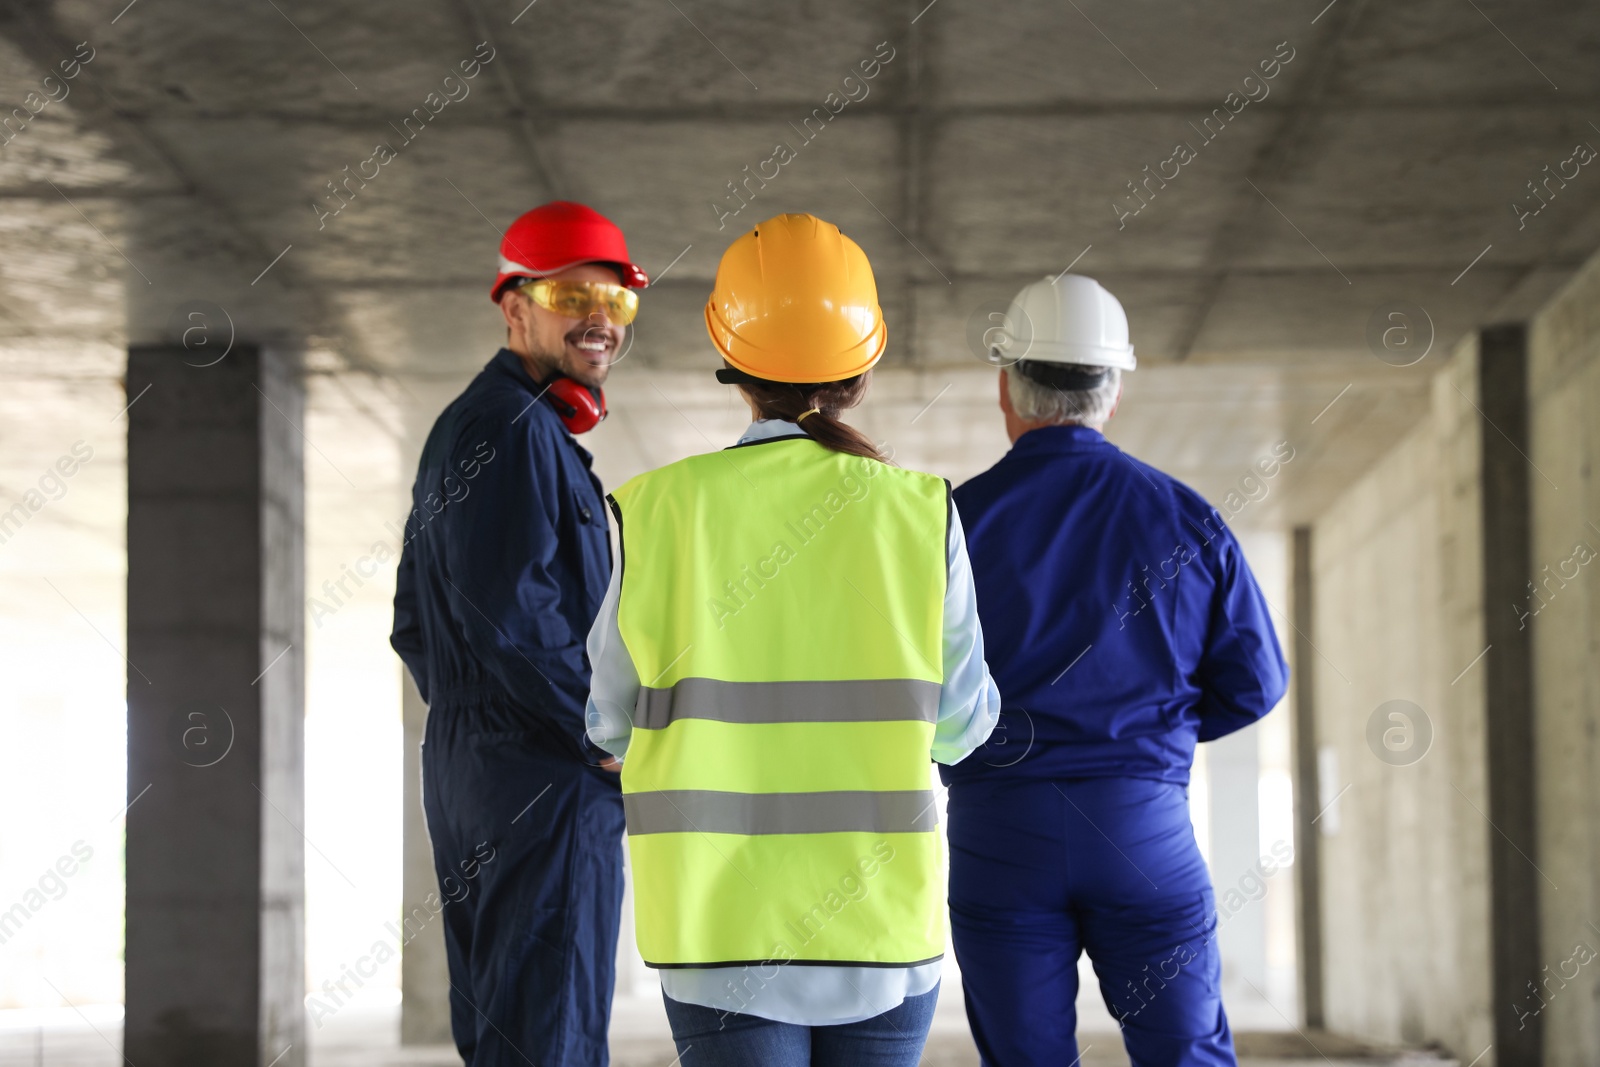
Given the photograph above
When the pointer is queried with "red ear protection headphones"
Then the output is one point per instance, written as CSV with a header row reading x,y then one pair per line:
x,y
580,408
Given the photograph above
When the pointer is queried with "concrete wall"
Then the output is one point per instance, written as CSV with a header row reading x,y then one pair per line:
x,y
1405,894
1564,397
1399,568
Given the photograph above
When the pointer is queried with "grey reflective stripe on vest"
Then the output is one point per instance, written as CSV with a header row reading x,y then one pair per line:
x,y
873,700
674,811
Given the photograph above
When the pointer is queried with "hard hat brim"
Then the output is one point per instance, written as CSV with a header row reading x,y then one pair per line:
x,y
764,364
1016,348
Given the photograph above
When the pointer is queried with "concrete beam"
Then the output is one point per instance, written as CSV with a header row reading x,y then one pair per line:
x,y
362,118
215,956
530,115
1271,163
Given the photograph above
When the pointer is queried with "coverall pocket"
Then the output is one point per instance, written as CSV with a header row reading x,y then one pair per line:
x,y
585,510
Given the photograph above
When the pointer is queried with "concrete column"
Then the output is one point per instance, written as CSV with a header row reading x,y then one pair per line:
x,y
1514,881
1564,394
1307,806
215,954
424,974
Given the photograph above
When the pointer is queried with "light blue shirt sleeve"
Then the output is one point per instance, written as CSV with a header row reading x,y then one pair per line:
x,y
969,702
614,688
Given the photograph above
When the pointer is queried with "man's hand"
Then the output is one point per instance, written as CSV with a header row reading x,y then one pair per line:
x,y
611,763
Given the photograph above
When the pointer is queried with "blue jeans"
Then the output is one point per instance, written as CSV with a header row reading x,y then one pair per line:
x,y
709,1038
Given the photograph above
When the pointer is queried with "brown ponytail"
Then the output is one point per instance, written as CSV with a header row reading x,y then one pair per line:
x,y
781,400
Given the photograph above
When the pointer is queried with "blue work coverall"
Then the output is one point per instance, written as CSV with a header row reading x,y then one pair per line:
x,y
504,567
1123,627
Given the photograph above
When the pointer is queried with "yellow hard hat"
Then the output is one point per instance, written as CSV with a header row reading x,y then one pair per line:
x,y
795,301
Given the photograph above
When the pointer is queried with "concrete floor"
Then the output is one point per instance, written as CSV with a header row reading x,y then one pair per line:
x,y
367,1037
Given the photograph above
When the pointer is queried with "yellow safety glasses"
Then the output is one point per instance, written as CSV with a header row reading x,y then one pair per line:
x,y
579,300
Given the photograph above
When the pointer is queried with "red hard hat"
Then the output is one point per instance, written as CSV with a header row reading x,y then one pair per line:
x,y
558,235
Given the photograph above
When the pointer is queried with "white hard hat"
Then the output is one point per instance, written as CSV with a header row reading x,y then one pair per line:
x,y
1065,319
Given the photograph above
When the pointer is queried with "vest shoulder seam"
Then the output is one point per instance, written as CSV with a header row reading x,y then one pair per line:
x,y
769,440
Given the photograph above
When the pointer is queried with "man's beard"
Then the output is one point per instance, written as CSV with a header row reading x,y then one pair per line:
x,y
563,361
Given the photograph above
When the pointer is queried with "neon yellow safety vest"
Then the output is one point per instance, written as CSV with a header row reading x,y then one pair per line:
x,y
783,604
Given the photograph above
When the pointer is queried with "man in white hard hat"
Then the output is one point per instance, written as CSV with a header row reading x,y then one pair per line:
x,y
1123,627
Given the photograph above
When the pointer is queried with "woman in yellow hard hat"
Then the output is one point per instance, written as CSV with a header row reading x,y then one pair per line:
x,y
790,636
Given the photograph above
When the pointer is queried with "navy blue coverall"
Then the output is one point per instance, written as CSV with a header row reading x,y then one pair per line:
x,y
504,567
1123,627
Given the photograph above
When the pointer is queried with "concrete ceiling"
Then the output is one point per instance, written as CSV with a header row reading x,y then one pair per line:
x,y
1378,170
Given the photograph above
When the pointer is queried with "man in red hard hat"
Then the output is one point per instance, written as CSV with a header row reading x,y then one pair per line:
x,y
505,563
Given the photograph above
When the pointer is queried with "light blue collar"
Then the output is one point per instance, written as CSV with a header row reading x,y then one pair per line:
x,y
764,429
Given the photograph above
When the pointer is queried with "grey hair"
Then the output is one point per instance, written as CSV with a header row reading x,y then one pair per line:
x,y
1085,407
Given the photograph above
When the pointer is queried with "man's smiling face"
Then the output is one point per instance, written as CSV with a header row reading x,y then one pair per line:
x,y
581,349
